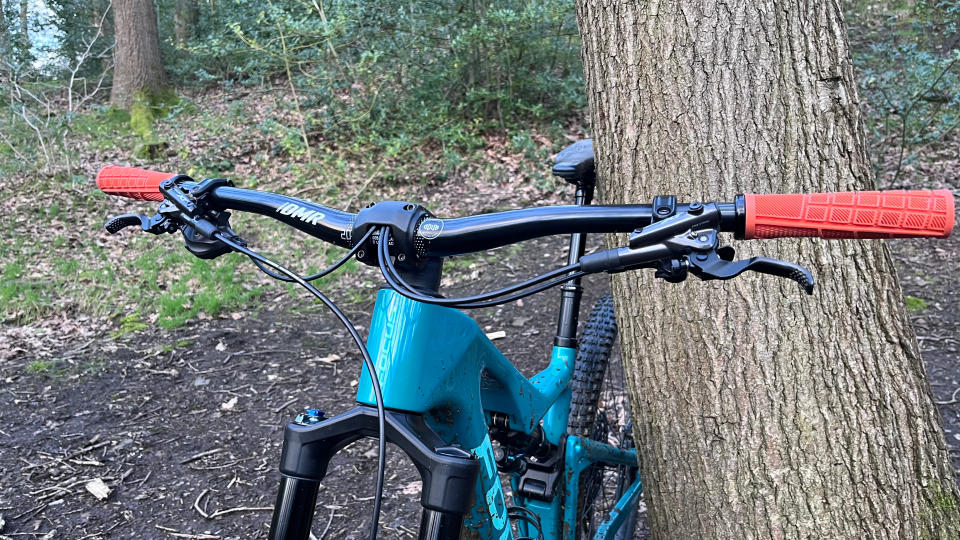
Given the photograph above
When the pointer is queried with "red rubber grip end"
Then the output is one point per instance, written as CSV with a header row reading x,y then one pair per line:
x,y
852,214
131,182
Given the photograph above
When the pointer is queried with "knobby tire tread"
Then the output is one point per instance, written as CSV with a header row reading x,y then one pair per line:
x,y
590,370
590,367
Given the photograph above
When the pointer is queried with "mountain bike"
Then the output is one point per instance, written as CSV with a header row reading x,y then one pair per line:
x,y
436,387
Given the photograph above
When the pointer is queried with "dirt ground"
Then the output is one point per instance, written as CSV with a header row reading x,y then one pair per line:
x,y
184,427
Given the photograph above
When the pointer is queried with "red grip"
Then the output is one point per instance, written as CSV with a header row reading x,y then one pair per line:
x,y
851,214
131,182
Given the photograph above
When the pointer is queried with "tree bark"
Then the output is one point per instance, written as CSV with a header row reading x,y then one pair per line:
x,y
184,20
138,66
759,412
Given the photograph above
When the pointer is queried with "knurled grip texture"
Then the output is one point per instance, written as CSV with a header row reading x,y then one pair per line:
x,y
851,214
131,182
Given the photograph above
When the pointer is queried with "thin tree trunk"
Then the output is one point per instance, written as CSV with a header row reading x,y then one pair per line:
x,y
760,412
138,66
184,20
24,28
3,23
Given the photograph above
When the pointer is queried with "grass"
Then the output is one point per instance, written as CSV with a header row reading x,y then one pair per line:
x,y
57,260
40,367
915,304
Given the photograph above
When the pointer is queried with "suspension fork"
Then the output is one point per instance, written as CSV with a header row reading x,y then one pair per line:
x,y
448,473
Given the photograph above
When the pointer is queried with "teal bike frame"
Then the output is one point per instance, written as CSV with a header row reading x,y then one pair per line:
x,y
436,361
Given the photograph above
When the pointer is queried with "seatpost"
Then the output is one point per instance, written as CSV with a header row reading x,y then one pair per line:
x,y
571,292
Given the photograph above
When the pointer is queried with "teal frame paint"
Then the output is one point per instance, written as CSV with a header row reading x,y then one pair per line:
x,y
437,361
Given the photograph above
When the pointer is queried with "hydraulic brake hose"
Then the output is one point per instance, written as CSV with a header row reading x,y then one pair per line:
x,y
368,362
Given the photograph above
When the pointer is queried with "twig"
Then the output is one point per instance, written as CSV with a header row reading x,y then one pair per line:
x,y
10,145
101,533
73,352
32,511
218,513
145,478
327,528
201,455
251,353
72,455
293,89
953,398
196,503
290,401
173,532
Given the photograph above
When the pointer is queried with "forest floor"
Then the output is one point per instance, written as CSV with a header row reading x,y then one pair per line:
x,y
183,425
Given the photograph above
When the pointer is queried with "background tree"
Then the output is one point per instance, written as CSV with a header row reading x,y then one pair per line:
x,y
760,413
23,21
184,20
77,22
138,68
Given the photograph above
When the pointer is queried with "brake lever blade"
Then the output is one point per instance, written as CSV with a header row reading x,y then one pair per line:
x,y
713,266
156,225
123,221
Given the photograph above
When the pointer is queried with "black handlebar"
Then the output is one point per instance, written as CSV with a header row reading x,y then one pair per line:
x,y
674,239
436,237
325,223
457,236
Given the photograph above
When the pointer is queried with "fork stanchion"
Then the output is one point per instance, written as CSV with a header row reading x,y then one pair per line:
x,y
293,512
436,525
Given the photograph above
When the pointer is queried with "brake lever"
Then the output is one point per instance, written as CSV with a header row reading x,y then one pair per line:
x,y
716,265
158,224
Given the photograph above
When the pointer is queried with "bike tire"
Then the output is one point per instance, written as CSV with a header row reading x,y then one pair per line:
x,y
599,410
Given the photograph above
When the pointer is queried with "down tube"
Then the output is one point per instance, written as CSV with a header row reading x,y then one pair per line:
x,y
489,518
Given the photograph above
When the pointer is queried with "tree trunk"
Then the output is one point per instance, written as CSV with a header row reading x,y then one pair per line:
x,y
760,412
138,67
24,28
184,20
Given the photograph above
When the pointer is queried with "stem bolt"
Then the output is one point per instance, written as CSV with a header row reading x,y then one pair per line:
x,y
309,416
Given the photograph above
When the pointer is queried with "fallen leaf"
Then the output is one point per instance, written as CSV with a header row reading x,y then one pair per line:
x,y
229,404
98,489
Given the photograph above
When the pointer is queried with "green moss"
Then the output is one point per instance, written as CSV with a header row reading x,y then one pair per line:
x,y
40,367
915,304
130,323
147,107
141,118
943,513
